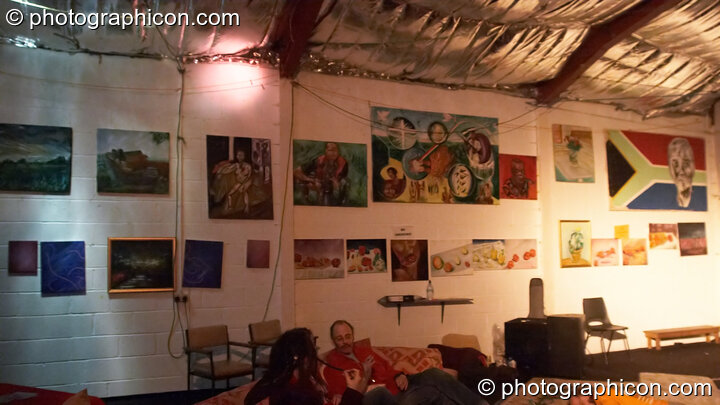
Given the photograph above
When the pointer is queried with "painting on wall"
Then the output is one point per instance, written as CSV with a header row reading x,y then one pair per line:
x,y
239,178
319,258
656,172
521,253
663,236
430,157
692,238
604,252
574,236
634,251
141,264
573,154
258,254
35,158
366,256
329,173
409,259
135,162
518,177
451,258
63,268
22,257
203,264
498,254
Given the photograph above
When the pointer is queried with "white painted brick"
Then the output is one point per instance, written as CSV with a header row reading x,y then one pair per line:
x,y
136,345
55,350
45,327
131,303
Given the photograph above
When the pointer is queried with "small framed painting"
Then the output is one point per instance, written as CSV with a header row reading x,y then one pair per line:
x,y
575,243
141,264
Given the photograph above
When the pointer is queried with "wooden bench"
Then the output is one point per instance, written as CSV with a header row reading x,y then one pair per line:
x,y
680,333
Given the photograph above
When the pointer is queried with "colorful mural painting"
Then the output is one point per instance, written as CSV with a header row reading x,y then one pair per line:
x,y
430,157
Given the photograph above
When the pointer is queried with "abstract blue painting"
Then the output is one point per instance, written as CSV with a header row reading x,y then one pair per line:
x,y
63,267
203,264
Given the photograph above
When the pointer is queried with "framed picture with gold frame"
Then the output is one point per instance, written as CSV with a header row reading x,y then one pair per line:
x,y
575,246
141,264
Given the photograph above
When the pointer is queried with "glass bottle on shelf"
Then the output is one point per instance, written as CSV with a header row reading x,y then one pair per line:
x,y
430,290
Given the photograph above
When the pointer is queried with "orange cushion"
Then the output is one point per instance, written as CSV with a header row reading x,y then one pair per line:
x,y
411,360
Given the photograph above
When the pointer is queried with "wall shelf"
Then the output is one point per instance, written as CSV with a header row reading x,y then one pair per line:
x,y
422,302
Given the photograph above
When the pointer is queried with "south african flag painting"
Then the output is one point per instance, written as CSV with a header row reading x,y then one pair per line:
x,y
648,171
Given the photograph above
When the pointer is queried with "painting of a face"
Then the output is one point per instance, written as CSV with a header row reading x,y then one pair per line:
x,y
409,260
681,163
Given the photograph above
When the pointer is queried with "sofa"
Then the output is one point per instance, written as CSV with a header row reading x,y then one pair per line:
x,y
410,360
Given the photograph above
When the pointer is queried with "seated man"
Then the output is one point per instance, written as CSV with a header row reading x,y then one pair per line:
x,y
432,386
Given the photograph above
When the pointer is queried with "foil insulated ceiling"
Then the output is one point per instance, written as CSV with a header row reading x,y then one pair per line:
x,y
668,65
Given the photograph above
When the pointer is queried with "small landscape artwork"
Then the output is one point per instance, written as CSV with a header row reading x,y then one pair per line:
x,y
141,264
434,157
239,178
604,252
451,258
319,258
499,254
35,158
63,268
574,237
573,153
663,236
203,264
692,238
22,257
366,256
634,251
518,177
409,259
258,254
329,173
133,161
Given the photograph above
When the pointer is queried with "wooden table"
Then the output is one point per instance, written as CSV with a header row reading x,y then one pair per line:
x,y
680,333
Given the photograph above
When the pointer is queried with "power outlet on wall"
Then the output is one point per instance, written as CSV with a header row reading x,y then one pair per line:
x,y
181,298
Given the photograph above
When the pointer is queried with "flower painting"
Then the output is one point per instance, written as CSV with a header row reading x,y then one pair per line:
x,y
575,243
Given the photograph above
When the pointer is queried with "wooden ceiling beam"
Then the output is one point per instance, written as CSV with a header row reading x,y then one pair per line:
x,y
292,32
599,40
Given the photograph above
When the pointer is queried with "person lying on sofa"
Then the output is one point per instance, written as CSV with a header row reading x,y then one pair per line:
x,y
432,386
292,377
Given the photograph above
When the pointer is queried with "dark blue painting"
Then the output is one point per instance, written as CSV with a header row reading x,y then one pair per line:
x,y
63,267
203,264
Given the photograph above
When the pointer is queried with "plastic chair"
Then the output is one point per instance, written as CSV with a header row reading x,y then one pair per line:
x,y
201,342
597,323
262,336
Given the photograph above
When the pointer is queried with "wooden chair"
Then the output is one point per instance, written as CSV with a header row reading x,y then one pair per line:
x,y
262,336
201,342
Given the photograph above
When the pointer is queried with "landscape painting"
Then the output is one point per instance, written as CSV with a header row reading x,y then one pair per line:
x,y
692,238
574,238
573,154
648,171
433,157
319,258
22,257
63,268
203,264
35,158
329,173
239,178
141,264
135,162
366,256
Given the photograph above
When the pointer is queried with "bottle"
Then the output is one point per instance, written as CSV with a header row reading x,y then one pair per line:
x,y
430,290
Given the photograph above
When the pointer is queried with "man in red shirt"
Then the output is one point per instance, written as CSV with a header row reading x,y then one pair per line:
x,y
385,384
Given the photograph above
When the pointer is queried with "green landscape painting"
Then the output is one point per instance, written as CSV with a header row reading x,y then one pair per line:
x,y
136,162
35,158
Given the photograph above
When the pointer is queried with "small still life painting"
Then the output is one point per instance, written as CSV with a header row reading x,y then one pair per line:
x,y
604,252
692,238
451,258
35,158
63,268
141,264
573,153
663,236
574,238
634,252
133,161
366,256
319,258
518,177
497,254
258,254
409,259
329,173
203,264
22,257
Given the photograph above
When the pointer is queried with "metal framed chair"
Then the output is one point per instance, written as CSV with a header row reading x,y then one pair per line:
x,y
597,323
262,336
201,361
